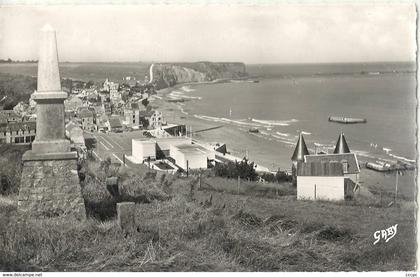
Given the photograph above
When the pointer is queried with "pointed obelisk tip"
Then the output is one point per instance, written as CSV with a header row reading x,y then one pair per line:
x,y
48,72
47,28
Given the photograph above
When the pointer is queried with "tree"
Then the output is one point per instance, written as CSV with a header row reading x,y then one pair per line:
x,y
144,122
105,165
89,84
145,102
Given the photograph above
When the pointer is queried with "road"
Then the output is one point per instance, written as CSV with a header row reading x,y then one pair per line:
x,y
113,145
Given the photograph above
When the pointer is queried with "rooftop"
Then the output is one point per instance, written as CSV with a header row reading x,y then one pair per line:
x,y
115,122
16,126
84,113
191,149
350,158
320,169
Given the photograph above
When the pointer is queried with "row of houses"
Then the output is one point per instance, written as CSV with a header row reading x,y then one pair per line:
x,y
16,129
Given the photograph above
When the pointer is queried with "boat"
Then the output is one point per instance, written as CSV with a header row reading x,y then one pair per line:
x,y
254,130
387,167
378,166
346,120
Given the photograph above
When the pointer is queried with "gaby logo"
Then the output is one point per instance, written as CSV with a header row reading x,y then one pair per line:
x,y
386,234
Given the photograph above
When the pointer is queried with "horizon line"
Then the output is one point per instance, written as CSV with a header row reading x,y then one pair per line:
x,y
262,63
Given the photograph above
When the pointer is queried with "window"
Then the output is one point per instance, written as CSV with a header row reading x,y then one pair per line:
x,y
345,166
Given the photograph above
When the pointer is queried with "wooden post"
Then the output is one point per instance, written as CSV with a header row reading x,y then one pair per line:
x,y
396,185
199,180
187,168
239,183
315,192
124,159
381,196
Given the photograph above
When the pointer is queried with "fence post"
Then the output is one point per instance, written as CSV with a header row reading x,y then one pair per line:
x,y
187,168
380,193
396,186
315,192
239,183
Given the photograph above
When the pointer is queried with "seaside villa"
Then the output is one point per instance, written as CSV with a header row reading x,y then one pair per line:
x,y
318,177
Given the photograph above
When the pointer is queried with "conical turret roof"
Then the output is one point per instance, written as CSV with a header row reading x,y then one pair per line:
x,y
301,150
341,146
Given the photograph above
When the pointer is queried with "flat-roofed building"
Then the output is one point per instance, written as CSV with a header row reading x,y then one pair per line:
x,y
143,149
163,145
189,155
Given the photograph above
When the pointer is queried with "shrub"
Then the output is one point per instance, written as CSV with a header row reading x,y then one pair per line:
x,y
243,169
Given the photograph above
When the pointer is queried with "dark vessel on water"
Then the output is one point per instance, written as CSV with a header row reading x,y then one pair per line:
x,y
253,130
346,120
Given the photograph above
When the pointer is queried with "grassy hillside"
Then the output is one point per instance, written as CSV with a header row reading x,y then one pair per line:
x,y
182,227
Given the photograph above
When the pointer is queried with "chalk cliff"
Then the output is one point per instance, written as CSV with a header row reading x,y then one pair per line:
x,y
170,74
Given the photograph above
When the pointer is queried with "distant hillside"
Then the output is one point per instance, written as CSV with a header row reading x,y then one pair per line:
x,y
170,74
89,71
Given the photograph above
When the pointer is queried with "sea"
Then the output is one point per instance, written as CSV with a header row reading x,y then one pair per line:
x,y
289,99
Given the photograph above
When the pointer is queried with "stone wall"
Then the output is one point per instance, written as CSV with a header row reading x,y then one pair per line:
x,y
51,188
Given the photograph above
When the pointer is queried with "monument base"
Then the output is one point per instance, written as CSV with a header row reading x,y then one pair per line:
x,y
51,146
50,186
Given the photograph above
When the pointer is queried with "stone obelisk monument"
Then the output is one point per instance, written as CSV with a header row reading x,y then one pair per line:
x,y
50,183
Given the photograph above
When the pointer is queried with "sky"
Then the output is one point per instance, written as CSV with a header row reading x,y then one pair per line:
x,y
283,33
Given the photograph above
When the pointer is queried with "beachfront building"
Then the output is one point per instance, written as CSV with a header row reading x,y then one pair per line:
x,y
163,145
143,149
322,181
189,156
